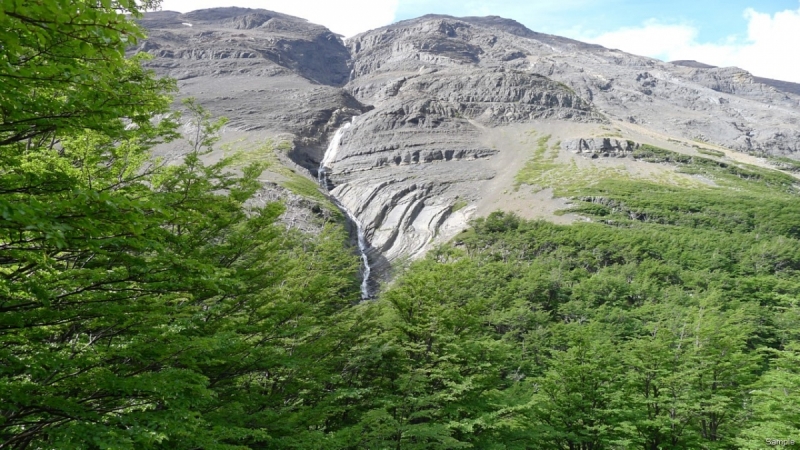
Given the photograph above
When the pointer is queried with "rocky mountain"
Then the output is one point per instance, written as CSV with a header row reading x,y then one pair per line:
x,y
437,114
267,72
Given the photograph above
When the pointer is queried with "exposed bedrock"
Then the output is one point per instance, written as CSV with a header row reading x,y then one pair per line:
x,y
269,73
405,212
404,180
233,34
727,107
605,147
438,117
724,106
407,168
492,96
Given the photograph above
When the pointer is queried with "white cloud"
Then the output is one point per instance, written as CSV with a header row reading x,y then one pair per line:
x,y
346,17
768,51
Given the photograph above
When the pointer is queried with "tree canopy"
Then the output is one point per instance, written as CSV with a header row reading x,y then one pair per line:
x,y
136,297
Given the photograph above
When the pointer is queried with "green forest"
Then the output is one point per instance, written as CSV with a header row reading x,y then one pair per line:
x,y
145,305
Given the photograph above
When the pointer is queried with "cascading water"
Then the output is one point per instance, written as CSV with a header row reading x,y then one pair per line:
x,y
330,155
322,175
363,246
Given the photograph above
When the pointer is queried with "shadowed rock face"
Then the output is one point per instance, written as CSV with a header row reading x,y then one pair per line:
x,y
240,33
265,71
423,94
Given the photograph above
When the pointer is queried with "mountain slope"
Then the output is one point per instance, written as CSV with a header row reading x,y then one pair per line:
x,y
476,79
445,112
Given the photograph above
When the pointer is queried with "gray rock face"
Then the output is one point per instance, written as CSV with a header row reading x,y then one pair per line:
x,y
405,192
404,165
274,76
267,72
597,147
725,106
437,84
240,33
782,86
423,94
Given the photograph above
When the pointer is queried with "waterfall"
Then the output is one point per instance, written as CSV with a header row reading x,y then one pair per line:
x,y
322,175
363,247
330,155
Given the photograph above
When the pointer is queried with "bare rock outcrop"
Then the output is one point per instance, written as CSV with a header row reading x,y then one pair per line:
x,y
267,72
601,147
725,106
274,76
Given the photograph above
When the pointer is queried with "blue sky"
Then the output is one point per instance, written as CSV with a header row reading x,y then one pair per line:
x,y
715,20
761,36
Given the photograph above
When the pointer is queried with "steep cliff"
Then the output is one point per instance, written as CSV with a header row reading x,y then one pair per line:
x,y
267,72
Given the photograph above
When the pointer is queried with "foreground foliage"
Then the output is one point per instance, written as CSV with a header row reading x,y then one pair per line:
x,y
142,305
669,322
139,302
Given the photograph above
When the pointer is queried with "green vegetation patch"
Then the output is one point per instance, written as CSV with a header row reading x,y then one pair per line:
x,y
627,201
304,187
584,333
784,163
615,194
459,205
749,198
568,179
265,154
145,307
540,163
710,152
734,175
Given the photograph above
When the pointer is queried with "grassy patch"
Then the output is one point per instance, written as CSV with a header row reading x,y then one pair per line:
x,y
296,183
744,198
264,154
710,152
611,132
542,171
284,146
749,198
458,205
304,187
540,163
784,163
733,175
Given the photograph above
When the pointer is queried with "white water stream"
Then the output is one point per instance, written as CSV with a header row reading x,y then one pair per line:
x,y
325,167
